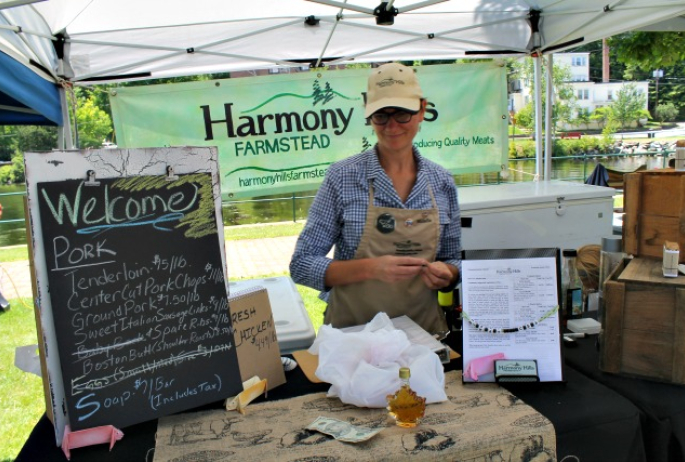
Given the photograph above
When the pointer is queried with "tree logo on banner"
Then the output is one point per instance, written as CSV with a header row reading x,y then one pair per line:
x,y
318,95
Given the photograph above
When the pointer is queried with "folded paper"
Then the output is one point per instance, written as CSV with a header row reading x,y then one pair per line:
x,y
252,389
90,437
482,366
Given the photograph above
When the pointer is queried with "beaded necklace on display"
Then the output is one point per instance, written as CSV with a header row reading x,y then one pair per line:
x,y
508,330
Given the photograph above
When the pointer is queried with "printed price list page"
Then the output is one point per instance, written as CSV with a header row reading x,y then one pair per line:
x,y
507,294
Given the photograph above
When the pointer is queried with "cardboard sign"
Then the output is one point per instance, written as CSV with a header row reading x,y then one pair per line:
x,y
255,336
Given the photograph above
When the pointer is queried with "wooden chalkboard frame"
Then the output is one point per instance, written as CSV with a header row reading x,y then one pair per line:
x,y
106,165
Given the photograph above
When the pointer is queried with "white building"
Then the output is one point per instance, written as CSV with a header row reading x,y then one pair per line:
x,y
589,95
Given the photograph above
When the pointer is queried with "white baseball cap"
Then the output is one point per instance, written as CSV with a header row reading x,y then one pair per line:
x,y
393,85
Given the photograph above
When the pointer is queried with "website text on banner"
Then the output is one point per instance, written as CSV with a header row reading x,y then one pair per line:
x,y
278,134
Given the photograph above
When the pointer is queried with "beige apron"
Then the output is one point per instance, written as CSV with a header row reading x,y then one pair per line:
x,y
392,231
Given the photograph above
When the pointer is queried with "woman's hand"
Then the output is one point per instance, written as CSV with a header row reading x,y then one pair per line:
x,y
437,275
389,268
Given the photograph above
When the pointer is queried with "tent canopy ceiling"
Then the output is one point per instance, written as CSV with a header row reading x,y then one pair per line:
x,y
107,40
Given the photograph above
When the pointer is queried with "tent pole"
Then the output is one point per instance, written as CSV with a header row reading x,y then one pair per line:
x,y
65,139
549,106
538,116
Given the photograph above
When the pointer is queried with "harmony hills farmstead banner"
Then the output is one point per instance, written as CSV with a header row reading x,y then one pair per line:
x,y
279,133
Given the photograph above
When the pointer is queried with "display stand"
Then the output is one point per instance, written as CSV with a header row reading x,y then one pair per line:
x,y
131,290
511,308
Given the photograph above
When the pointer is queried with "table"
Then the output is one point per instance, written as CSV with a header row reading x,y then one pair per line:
x,y
591,421
662,404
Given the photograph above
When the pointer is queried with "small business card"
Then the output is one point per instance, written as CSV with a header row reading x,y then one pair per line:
x,y
509,368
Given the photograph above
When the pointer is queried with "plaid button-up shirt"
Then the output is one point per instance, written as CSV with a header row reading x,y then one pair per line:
x,y
338,213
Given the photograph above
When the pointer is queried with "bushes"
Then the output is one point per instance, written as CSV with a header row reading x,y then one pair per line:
x,y
13,173
520,149
5,174
587,145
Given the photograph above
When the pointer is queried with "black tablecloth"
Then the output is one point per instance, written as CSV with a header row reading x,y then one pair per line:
x,y
662,404
592,423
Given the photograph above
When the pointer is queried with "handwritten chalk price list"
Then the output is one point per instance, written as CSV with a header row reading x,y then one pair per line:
x,y
139,296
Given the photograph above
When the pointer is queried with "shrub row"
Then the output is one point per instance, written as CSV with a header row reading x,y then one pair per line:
x,y
519,149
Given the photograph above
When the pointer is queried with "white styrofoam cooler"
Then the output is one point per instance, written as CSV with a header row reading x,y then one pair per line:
x,y
294,329
535,215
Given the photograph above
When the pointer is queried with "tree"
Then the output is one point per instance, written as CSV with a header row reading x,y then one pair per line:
x,y
604,115
18,174
666,112
94,125
583,118
649,50
645,52
34,138
6,138
564,103
636,55
525,118
629,105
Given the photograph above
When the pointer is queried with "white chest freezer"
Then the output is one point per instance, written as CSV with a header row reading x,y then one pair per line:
x,y
535,214
294,329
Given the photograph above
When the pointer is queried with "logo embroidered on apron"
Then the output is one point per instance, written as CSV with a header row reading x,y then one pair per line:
x,y
385,223
408,247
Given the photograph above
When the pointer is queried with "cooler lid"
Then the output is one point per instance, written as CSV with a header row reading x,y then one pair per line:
x,y
527,193
294,329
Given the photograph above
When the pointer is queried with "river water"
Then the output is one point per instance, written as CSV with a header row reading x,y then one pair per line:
x,y
285,208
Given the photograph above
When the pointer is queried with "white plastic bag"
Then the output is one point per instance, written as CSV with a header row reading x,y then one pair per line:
x,y
363,367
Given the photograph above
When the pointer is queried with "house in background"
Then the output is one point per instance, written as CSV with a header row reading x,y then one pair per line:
x,y
589,95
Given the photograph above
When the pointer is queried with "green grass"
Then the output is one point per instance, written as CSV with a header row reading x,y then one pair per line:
x,y
235,233
14,253
315,307
21,393
618,201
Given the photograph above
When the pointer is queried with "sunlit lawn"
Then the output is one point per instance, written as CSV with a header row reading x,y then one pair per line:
x,y
14,253
21,394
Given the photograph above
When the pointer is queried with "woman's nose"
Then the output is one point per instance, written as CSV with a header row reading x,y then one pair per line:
x,y
392,123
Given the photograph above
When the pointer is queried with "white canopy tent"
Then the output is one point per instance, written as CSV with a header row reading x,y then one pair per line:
x,y
91,41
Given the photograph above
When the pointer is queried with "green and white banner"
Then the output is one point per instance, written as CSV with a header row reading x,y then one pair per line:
x,y
279,133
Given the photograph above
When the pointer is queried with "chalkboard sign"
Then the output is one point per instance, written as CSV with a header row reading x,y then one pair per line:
x,y
136,300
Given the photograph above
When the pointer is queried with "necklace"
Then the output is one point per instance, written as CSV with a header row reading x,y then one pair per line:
x,y
508,330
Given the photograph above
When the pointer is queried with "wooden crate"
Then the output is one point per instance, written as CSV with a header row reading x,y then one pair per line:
x,y
643,326
654,206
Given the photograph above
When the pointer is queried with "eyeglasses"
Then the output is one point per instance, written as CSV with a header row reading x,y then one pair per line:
x,y
382,118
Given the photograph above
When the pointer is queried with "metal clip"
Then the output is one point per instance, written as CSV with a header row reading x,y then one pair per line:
x,y
170,176
90,181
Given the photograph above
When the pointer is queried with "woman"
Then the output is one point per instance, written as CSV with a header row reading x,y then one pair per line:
x,y
392,215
